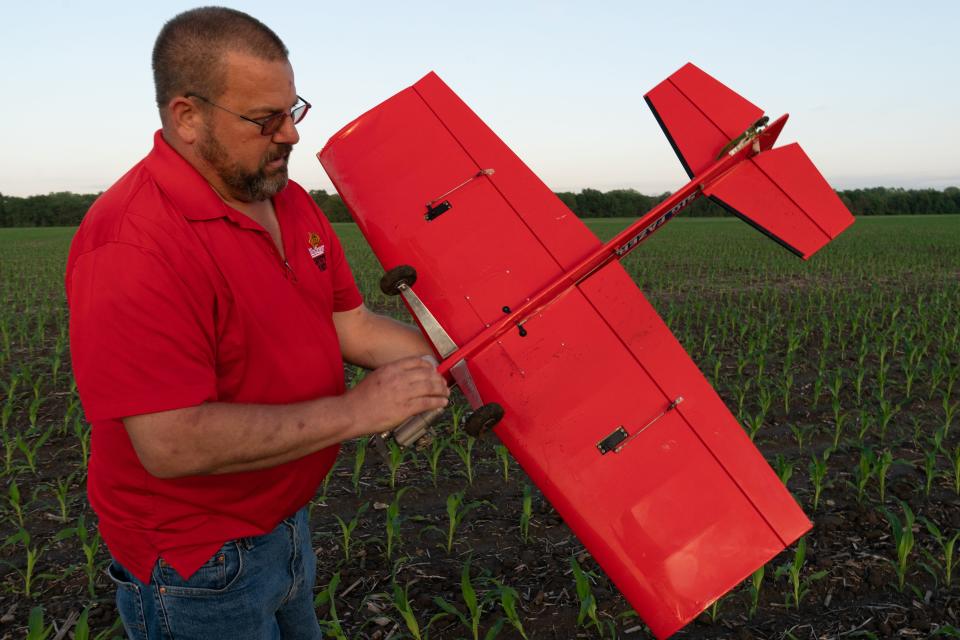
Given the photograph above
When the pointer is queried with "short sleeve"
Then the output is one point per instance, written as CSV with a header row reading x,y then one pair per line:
x,y
142,340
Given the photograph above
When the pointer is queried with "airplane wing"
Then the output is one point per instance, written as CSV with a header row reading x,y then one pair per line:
x,y
604,409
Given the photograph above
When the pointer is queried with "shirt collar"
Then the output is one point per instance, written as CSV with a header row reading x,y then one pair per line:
x,y
189,191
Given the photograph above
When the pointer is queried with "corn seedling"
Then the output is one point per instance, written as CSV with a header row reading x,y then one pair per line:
x,y
331,625
903,538
858,382
393,521
793,569
347,528
508,603
473,605
62,494
947,547
839,421
81,630
5,415
90,545
503,455
395,457
36,630
741,392
786,385
588,602
800,433
456,416
766,399
818,472
437,445
401,602
30,448
864,471
83,435
884,462
756,580
754,424
358,458
322,498
526,513
911,367
882,372
33,553
13,498
714,610
887,412
456,511
866,421
465,453
784,469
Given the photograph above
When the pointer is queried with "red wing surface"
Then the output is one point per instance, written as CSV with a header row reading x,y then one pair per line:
x,y
504,236
779,191
783,194
699,115
687,508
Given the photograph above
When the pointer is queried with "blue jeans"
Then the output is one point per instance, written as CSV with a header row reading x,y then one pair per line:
x,y
253,588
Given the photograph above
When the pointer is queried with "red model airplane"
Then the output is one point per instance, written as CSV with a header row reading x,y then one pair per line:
x,y
538,324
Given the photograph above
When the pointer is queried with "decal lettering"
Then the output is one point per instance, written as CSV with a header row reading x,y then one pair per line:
x,y
656,224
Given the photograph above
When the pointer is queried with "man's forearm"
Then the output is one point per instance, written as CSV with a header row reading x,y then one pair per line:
x,y
370,340
221,437
218,437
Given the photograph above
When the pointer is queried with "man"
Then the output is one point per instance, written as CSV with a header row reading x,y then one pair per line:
x,y
210,304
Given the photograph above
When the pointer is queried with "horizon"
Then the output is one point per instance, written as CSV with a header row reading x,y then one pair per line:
x,y
560,83
333,192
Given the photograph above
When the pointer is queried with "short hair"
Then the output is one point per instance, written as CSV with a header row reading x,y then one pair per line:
x,y
189,53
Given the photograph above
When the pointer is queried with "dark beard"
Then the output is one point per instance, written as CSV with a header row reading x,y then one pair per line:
x,y
244,186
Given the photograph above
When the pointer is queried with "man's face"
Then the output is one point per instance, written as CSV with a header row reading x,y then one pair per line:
x,y
251,167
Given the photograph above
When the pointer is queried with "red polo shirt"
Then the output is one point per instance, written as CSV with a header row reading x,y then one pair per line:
x,y
176,299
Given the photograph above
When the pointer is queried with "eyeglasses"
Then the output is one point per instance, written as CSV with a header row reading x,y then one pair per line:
x,y
272,123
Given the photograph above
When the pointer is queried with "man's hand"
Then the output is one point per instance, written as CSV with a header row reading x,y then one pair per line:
x,y
392,393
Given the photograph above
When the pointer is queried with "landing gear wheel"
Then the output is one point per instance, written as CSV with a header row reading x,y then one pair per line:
x,y
483,419
392,280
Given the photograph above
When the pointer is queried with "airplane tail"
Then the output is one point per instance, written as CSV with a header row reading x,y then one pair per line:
x,y
778,191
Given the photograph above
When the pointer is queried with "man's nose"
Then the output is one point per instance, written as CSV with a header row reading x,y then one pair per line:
x,y
287,133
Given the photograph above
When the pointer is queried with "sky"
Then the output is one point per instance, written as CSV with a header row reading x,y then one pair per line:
x,y
870,87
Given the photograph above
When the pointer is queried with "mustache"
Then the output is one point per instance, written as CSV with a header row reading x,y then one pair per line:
x,y
282,151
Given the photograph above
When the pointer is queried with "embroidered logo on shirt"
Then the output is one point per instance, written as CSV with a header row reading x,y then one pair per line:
x,y
317,251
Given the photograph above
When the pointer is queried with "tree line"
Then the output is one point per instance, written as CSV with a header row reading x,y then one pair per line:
x,y
65,209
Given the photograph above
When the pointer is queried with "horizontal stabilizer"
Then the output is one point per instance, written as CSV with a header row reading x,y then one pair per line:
x,y
699,115
783,194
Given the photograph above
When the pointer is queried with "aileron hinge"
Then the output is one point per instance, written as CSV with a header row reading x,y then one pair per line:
x,y
621,438
438,206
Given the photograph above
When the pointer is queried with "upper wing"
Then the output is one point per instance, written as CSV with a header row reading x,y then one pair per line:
x,y
685,510
505,234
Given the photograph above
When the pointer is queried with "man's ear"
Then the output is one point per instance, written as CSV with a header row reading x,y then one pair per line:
x,y
184,119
